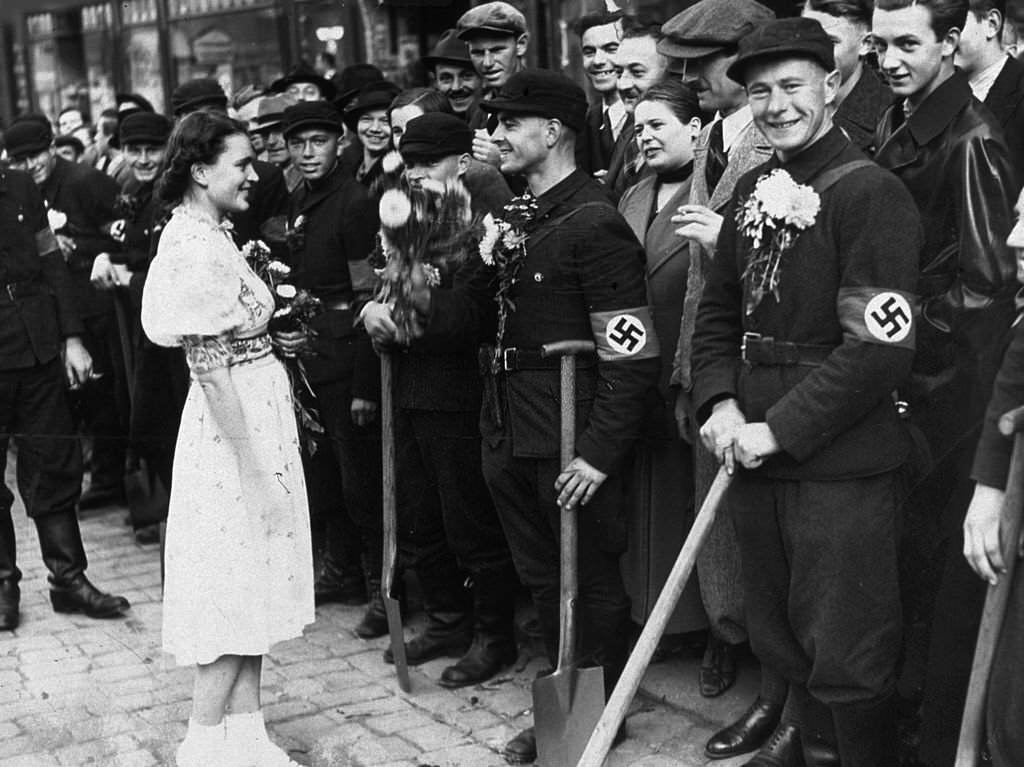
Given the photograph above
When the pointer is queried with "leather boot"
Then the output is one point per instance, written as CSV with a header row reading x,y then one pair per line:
x,y
494,643
445,603
343,585
70,591
867,733
10,594
817,729
375,620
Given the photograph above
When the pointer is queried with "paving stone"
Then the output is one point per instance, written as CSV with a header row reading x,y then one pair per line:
x,y
434,736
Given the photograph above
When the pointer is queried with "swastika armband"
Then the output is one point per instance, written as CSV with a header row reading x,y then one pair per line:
x,y
624,334
46,241
878,315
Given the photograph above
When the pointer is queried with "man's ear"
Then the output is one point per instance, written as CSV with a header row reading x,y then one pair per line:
x,y
950,42
522,43
464,161
865,46
994,19
832,81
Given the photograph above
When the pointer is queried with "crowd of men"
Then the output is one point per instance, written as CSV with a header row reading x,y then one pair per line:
x,y
844,388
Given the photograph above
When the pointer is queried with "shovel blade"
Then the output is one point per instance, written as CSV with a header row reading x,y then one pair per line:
x,y
397,637
567,706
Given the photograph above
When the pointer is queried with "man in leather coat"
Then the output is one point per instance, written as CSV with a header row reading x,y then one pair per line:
x,y
949,152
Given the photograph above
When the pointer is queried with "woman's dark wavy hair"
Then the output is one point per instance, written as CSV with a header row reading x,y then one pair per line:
x,y
197,138
678,97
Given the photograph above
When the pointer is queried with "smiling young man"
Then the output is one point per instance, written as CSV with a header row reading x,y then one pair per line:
x,y
793,382
600,34
496,37
454,74
335,224
949,152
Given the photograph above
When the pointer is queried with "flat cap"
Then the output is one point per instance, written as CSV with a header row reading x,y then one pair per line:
x,y
312,114
29,134
785,38
132,102
543,93
69,140
303,73
196,94
144,128
709,26
374,95
434,135
271,112
449,48
494,17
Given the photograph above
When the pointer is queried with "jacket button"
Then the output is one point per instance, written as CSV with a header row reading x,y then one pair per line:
x,y
538,277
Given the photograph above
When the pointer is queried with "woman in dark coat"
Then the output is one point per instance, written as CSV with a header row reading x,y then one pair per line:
x,y
667,122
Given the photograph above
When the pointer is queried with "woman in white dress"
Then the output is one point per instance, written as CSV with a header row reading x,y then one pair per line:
x,y
239,572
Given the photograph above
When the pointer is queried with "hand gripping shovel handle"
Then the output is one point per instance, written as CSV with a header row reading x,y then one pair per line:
x,y
972,727
390,514
615,711
567,351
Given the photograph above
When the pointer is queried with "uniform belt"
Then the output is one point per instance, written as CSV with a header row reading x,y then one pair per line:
x,y
513,359
765,350
22,288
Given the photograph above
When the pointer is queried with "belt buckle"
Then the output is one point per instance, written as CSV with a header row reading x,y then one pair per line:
x,y
747,338
507,364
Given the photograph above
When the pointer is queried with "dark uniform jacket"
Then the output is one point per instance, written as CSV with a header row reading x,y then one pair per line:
x,y
589,155
434,376
862,109
834,419
582,278
37,309
1006,101
338,226
140,209
86,196
951,156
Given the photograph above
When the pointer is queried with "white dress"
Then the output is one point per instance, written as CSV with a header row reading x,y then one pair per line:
x,y
239,569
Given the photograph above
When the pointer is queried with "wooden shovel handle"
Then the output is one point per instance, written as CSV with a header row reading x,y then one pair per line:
x,y
972,727
615,710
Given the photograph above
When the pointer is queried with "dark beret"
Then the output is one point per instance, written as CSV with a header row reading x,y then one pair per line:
x,y
132,102
434,135
785,38
29,134
144,128
351,79
494,17
312,114
595,19
69,140
709,26
543,93
196,94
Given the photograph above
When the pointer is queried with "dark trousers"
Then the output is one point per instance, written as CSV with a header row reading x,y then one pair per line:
x,y
33,410
819,569
445,506
357,453
524,496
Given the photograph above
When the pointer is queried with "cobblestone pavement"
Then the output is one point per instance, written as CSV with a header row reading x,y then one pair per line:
x,y
76,692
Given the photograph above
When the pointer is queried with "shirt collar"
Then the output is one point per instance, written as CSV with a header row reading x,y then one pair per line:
x,y
733,124
617,117
560,192
985,79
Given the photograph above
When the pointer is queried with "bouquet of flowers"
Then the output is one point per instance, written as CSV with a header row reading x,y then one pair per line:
x,y
429,227
772,218
503,246
127,206
294,310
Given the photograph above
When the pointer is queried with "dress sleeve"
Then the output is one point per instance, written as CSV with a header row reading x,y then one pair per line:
x,y
193,293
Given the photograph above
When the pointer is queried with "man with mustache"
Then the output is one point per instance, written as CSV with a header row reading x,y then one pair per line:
x,y
640,65
268,125
600,34
453,72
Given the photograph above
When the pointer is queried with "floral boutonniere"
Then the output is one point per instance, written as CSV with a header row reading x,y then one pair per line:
x,y
772,218
503,246
295,233
127,206
56,219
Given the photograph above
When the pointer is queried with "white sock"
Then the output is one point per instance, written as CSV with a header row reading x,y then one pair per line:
x,y
202,741
247,738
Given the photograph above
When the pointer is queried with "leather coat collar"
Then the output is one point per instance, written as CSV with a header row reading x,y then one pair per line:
x,y
939,109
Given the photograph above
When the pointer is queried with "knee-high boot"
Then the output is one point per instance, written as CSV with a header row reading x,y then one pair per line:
x,y
70,591
494,644
10,593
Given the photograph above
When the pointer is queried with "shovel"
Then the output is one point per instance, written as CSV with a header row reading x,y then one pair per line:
x,y
567,703
972,727
640,659
387,578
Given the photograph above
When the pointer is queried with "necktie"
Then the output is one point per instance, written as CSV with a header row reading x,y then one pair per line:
x,y
717,158
606,139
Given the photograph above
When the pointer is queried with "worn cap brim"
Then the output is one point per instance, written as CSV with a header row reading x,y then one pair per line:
x,y
690,49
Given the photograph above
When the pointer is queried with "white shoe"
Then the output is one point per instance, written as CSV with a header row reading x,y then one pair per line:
x,y
204,746
248,740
